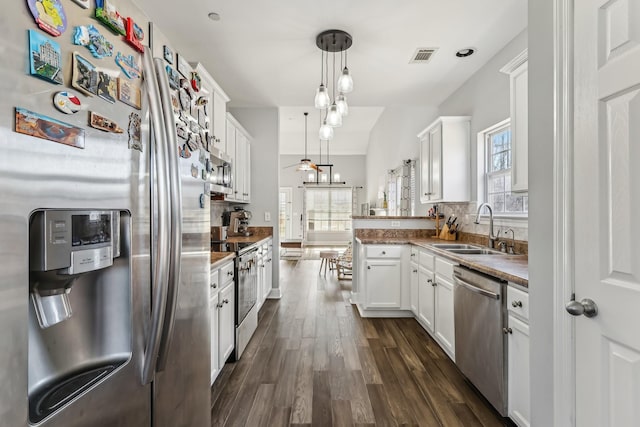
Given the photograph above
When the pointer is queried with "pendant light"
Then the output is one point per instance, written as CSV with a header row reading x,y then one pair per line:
x,y
325,132
341,103
345,82
305,164
334,118
322,100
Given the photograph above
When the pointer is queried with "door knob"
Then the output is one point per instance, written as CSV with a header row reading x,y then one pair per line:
x,y
587,307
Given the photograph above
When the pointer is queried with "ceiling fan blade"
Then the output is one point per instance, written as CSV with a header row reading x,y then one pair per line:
x,y
314,166
292,165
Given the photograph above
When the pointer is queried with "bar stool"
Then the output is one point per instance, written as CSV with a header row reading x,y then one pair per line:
x,y
328,258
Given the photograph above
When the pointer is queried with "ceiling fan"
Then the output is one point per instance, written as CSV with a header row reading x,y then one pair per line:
x,y
305,164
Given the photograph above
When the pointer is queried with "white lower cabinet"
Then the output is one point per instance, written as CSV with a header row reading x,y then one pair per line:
x,y
268,273
383,287
221,306
226,323
444,322
415,301
426,299
518,364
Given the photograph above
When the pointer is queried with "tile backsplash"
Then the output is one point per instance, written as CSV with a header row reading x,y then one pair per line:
x,y
466,213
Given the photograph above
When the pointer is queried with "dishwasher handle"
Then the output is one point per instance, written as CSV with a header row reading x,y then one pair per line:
x,y
475,289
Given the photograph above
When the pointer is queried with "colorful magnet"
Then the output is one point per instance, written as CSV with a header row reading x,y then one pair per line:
x,y
107,87
175,103
90,37
85,76
168,54
196,82
83,3
104,124
135,35
202,101
202,119
191,142
107,13
185,99
67,102
174,77
34,124
128,65
135,140
194,170
182,133
184,152
129,93
45,58
49,15
183,66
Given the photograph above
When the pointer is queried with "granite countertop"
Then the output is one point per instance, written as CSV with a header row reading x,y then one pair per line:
x,y
219,258
513,268
390,217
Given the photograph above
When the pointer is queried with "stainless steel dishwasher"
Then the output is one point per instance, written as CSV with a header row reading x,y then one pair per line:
x,y
481,346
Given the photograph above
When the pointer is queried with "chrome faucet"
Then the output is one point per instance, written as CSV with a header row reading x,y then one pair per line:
x,y
492,237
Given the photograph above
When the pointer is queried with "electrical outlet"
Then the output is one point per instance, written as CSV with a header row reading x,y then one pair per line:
x,y
267,216
395,223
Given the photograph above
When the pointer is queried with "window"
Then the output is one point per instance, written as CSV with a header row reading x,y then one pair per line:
x,y
328,209
497,182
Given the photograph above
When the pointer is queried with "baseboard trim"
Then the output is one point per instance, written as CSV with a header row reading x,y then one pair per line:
x,y
384,313
275,293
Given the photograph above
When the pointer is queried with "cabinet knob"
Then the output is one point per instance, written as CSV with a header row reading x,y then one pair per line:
x,y
413,254
415,271
219,305
225,301
516,304
368,267
429,281
507,331
213,285
229,273
384,253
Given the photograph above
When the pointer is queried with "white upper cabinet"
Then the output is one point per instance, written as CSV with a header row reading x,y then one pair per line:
x,y
239,149
518,72
445,173
216,108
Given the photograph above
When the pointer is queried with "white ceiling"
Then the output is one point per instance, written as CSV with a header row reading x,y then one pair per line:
x,y
263,53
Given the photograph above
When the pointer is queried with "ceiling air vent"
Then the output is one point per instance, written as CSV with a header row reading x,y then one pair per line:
x,y
423,55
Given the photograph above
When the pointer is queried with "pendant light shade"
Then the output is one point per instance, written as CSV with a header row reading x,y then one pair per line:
x,y
345,82
341,103
334,118
326,132
322,100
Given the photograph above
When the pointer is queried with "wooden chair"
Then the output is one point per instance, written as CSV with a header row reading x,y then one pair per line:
x,y
344,264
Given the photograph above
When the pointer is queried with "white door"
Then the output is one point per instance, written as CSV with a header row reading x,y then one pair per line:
x,y
607,211
285,214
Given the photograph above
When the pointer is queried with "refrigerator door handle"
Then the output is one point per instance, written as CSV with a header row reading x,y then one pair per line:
x,y
175,191
160,270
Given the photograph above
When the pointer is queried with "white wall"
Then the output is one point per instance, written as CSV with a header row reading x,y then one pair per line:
x,y
484,97
394,139
541,156
262,124
352,170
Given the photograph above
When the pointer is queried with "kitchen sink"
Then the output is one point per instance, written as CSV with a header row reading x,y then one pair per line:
x,y
454,246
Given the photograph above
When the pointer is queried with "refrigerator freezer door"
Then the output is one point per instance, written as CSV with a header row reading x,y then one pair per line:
x,y
36,173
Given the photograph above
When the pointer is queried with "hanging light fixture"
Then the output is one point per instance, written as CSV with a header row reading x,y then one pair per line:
x,y
322,100
332,41
305,163
345,81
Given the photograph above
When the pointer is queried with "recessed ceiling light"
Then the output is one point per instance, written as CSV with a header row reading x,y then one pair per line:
x,y
463,53
214,16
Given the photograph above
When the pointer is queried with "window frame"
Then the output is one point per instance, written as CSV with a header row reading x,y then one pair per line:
x,y
483,173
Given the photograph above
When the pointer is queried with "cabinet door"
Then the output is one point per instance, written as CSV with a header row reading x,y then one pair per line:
x,y
240,165
435,159
260,279
226,325
414,288
383,283
445,328
518,371
519,128
219,121
268,273
425,169
426,299
213,308
231,152
247,171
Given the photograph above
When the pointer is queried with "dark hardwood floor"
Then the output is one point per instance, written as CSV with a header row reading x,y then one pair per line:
x,y
314,361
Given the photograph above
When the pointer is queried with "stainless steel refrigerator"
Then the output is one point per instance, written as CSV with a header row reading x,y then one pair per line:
x,y
104,253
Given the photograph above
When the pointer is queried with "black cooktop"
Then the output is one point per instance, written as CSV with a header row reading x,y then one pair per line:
x,y
224,246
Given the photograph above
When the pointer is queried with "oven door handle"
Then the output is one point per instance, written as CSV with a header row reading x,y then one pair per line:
x,y
475,289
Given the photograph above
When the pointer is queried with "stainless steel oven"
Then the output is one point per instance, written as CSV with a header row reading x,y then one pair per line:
x,y
246,297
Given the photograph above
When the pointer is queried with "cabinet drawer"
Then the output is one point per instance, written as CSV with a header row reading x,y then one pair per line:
x,y
426,260
214,280
415,253
379,251
444,268
518,302
226,273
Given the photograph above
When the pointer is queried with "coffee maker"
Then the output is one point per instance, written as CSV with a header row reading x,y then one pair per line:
x,y
237,221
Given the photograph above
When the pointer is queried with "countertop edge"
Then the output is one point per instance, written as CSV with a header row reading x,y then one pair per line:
x,y
470,261
215,263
